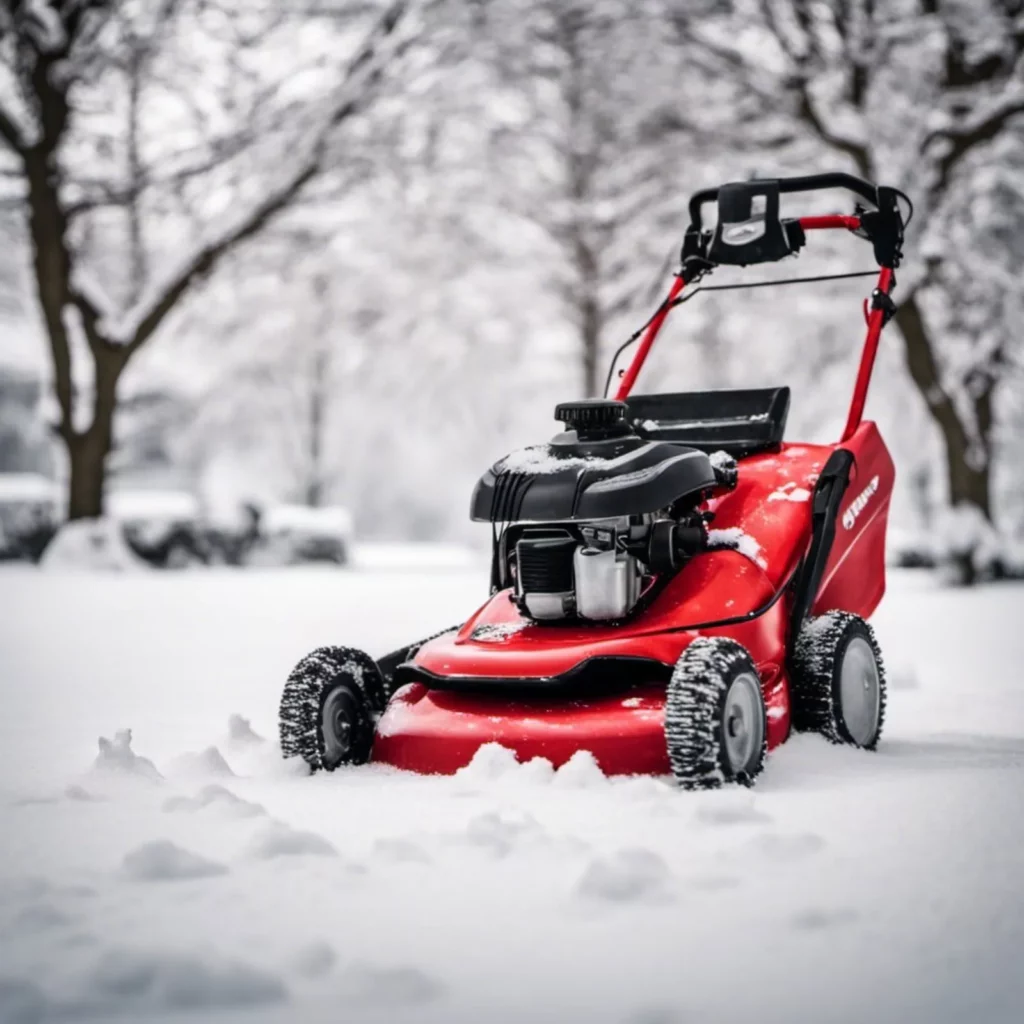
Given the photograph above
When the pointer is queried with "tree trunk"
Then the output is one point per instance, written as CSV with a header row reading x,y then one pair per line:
x,y
968,478
88,449
968,461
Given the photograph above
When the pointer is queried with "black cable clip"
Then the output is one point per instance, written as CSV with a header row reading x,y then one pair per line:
x,y
883,301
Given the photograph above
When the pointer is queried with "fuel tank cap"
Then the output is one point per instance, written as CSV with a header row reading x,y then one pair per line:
x,y
595,419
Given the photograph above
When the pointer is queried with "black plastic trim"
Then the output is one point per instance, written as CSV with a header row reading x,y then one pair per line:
x,y
803,183
828,494
738,422
600,673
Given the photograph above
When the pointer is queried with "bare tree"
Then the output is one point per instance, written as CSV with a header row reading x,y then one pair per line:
x,y
927,95
109,134
591,149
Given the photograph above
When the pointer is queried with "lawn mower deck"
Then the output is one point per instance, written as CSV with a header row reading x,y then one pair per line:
x,y
673,586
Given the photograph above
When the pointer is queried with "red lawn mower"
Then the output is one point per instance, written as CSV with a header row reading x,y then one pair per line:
x,y
673,586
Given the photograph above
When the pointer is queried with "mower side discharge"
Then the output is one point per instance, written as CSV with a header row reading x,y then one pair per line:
x,y
673,586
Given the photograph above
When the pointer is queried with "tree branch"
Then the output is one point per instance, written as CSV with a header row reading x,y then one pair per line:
x,y
963,140
10,133
209,256
805,109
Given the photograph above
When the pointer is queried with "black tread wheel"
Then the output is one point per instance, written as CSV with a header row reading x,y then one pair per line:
x,y
329,708
716,726
838,680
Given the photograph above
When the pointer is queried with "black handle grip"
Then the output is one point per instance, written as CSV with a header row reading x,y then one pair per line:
x,y
804,183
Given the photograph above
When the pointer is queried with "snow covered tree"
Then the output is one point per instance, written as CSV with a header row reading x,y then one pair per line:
x,y
590,131
152,139
927,95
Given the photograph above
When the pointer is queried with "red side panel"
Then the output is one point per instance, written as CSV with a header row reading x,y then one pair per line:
x,y
855,573
439,731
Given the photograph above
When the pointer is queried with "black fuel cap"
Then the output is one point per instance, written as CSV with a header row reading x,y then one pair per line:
x,y
594,419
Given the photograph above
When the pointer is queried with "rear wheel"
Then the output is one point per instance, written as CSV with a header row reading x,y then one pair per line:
x,y
715,721
838,681
329,708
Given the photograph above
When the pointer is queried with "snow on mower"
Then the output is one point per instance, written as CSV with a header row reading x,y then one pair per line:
x,y
674,587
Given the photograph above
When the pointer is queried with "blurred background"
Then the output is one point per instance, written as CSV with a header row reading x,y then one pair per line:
x,y
277,275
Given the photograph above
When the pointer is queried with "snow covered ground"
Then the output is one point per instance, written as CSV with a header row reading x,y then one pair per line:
x,y
168,881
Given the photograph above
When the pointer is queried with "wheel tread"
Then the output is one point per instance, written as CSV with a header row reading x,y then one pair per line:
x,y
813,680
304,691
693,728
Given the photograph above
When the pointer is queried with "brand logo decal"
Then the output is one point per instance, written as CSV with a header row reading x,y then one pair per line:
x,y
859,504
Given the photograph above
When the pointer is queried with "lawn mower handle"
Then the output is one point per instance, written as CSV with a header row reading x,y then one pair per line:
x,y
803,183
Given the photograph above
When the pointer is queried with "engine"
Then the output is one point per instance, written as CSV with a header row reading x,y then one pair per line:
x,y
583,570
585,524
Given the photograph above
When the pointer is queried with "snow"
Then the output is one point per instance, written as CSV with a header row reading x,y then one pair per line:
x,y
721,460
331,521
790,492
964,532
539,459
160,860
44,25
153,505
27,487
740,541
509,892
496,632
90,544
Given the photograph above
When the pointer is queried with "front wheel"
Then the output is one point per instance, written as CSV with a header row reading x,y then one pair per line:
x,y
715,721
330,706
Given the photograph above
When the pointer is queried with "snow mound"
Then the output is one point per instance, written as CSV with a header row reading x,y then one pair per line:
x,y
648,788
116,758
91,544
314,960
816,919
389,986
80,793
400,851
902,677
730,808
129,981
218,799
581,771
163,861
202,764
787,847
489,763
493,763
22,1002
500,833
241,733
41,916
281,840
626,876
536,771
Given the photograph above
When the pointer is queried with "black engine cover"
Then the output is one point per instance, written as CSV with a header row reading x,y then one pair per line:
x,y
570,479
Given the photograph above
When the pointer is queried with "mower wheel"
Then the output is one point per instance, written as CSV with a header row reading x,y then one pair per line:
x,y
330,706
838,681
715,721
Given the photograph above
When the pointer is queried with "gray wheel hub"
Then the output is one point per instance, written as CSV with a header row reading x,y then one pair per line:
x,y
337,721
860,691
742,723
